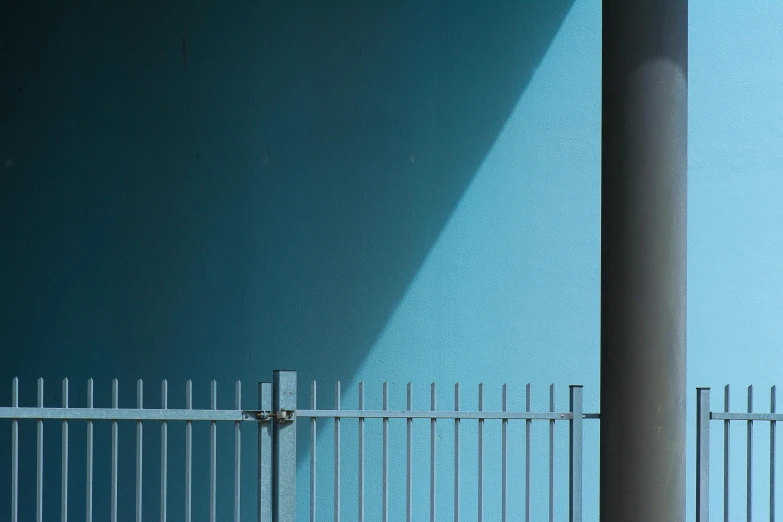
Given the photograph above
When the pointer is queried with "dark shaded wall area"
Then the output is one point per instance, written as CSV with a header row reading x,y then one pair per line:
x,y
213,191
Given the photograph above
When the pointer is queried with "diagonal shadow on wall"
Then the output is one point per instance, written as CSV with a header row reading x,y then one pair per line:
x,y
215,192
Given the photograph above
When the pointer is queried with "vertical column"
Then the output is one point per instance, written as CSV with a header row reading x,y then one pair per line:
x,y
643,259
749,462
409,459
456,457
139,450
164,452
15,454
284,448
64,480
39,458
726,453
703,455
575,456
115,404
336,504
552,455
772,446
481,454
528,425
188,454
313,452
265,454
433,455
213,455
360,457
504,459
89,463
385,458
237,454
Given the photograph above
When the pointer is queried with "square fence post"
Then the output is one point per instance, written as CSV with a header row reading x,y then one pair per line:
x,y
703,455
264,454
284,447
575,456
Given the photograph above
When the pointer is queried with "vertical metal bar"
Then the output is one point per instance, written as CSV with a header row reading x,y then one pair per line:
x,y
409,459
139,448
433,447
64,480
385,471
114,436
772,457
15,454
726,438
456,455
265,454
313,447
504,458
237,453
703,455
750,458
39,462
361,456
481,455
213,455
575,456
188,453
89,464
284,449
528,424
552,455
164,452
337,454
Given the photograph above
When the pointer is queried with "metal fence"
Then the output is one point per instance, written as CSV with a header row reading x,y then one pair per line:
x,y
704,415
140,415
457,416
276,418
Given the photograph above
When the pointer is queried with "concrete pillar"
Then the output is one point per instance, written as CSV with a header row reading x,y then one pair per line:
x,y
643,260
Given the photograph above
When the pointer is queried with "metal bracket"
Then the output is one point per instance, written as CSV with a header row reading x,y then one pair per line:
x,y
285,416
268,416
259,415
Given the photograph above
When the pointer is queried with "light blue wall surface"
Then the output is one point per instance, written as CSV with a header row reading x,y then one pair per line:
x,y
507,293
735,226
366,193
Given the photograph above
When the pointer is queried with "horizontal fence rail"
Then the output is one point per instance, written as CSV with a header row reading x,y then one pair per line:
x,y
128,414
704,415
412,414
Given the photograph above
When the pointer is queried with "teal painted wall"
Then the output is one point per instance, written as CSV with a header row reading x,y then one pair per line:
x,y
735,281
366,192
369,192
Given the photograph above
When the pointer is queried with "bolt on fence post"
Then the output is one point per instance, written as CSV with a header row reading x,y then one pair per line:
x,y
575,456
703,455
284,447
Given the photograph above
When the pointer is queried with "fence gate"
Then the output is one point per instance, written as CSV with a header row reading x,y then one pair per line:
x,y
275,415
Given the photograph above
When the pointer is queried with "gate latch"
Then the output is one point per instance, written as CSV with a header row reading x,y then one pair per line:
x,y
267,416
285,416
